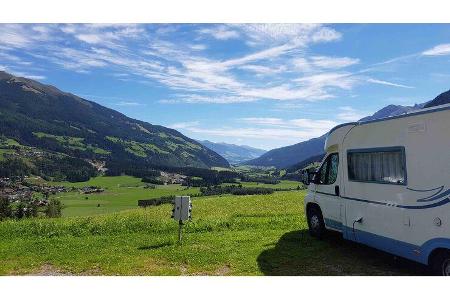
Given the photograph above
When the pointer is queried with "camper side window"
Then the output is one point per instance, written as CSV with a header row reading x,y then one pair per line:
x,y
378,165
328,170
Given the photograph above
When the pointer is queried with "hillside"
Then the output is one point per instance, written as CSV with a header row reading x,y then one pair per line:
x,y
45,122
305,163
294,154
234,154
443,98
392,110
290,155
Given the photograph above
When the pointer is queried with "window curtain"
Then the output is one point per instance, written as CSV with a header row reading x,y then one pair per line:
x,y
376,166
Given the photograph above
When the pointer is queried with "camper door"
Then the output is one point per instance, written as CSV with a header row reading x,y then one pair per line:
x,y
327,191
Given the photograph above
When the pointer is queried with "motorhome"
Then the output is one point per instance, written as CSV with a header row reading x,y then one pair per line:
x,y
386,183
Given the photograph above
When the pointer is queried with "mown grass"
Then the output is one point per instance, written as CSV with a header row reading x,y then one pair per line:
x,y
229,235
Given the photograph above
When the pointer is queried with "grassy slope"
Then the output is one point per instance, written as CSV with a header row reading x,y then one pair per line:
x,y
229,235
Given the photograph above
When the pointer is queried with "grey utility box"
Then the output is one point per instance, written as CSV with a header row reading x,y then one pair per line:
x,y
182,208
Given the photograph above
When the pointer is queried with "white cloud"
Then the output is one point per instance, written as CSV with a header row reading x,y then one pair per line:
x,y
7,57
326,34
263,121
290,131
287,92
293,135
327,62
75,60
184,68
323,125
104,34
443,49
181,68
25,75
220,32
372,80
198,47
128,103
217,99
263,70
302,64
89,38
120,75
184,125
268,53
292,123
342,80
23,35
277,32
14,35
317,63
349,114
258,34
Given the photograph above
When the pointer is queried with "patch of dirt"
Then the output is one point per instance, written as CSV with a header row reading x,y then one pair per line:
x,y
183,270
96,271
222,271
49,270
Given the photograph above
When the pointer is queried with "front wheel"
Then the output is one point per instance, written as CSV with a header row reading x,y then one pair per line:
x,y
316,224
440,264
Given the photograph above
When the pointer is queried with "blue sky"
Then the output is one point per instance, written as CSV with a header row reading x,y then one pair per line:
x,y
263,85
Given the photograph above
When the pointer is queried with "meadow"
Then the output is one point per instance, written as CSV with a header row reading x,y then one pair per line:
x,y
229,235
123,192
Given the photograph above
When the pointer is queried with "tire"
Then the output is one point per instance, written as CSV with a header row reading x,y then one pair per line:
x,y
440,263
316,224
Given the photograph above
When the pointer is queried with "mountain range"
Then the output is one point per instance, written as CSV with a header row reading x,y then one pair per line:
x,y
234,154
59,134
44,118
286,157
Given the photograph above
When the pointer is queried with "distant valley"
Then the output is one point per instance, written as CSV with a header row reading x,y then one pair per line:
x,y
234,154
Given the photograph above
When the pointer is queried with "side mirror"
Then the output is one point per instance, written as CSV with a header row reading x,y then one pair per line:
x,y
308,176
305,177
312,176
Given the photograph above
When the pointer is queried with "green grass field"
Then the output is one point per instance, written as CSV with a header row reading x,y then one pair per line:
x,y
229,235
284,184
121,193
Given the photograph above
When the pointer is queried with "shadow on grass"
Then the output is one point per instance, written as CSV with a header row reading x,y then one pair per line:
x,y
296,253
157,246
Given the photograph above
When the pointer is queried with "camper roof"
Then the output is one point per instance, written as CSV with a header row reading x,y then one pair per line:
x,y
412,113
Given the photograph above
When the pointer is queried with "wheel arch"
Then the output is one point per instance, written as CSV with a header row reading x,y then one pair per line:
x,y
435,252
433,247
311,205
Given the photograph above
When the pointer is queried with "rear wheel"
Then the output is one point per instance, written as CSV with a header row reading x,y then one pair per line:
x,y
316,224
440,263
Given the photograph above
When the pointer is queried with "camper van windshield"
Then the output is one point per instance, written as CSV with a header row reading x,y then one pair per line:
x,y
377,165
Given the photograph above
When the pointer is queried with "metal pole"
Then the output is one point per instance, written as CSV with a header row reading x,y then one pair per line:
x,y
180,229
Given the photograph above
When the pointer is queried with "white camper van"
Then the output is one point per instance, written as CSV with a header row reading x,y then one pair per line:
x,y
386,183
